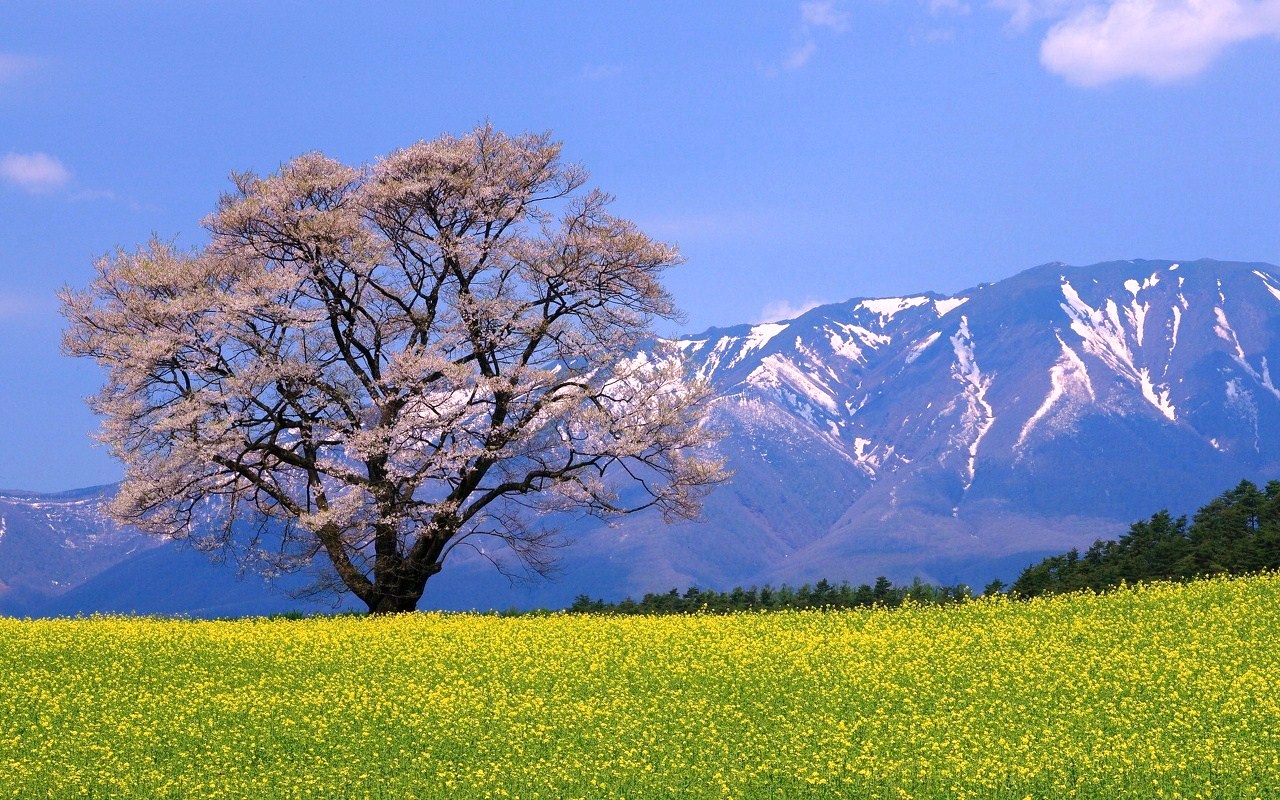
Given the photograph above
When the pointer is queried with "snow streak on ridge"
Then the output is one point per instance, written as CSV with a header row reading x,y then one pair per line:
x,y
978,416
1227,334
1067,377
888,306
1104,336
1267,283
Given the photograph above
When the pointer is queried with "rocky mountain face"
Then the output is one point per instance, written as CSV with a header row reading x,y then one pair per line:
x,y
950,438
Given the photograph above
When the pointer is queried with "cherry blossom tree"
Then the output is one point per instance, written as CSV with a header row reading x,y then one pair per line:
x,y
367,367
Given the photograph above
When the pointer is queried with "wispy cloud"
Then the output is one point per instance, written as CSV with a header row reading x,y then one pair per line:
x,y
20,305
957,7
1022,13
935,36
89,195
37,173
1157,41
785,309
13,65
816,16
824,14
800,54
600,72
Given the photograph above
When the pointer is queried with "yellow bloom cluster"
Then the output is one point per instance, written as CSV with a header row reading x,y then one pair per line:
x,y
1161,691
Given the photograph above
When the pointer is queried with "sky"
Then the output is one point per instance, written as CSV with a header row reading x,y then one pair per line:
x,y
797,152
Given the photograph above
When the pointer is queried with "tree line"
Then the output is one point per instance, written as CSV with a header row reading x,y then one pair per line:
x,y
821,595
1236,533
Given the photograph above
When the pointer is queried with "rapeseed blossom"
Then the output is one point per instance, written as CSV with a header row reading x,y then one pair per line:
x,y
1156,691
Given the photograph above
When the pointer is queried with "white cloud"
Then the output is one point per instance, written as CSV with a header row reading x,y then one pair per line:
x,y
86,195
932,36
785,309
815,16
824,14
1022,13
38,173
1157,40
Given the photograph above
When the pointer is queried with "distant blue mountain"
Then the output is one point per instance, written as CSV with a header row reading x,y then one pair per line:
x,y
952,438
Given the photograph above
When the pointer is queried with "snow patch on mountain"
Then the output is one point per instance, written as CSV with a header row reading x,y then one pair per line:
x,y
1226,333
1104,336
1156,394
1134,287
871,458
848,340
1241,402
1222,328
779,372
918,349
1069,384
757,338
887,307
978,415
1266,281
945,307
1137,316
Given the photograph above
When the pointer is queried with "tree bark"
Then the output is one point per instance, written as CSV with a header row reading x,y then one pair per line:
x,y
402,594
392,604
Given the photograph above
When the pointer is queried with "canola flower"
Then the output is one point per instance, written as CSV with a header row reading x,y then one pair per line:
x,y
1162,691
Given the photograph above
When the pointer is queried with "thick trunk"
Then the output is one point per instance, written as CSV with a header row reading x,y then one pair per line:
x,y
399,580
401,594
392,604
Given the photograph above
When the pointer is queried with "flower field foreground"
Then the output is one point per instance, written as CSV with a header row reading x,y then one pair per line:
x,y
1162,691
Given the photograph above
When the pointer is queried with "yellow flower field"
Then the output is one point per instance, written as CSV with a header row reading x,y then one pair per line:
x,y
1162,691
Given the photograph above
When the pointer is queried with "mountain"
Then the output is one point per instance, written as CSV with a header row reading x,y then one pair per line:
x,y
60,555
51,543
953,438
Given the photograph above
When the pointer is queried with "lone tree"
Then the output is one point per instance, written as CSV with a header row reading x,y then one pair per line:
x,y
379,363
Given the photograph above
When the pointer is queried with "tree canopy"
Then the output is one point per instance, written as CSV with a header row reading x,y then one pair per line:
x,y
367,366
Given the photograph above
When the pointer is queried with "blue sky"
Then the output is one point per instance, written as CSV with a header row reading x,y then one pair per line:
x,y
798,152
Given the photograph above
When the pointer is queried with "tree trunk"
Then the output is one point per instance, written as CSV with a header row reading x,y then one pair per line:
x,y
402,594
392,604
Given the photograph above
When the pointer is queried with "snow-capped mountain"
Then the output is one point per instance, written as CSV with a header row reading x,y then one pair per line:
x,y
1014,416
950,438
976,395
